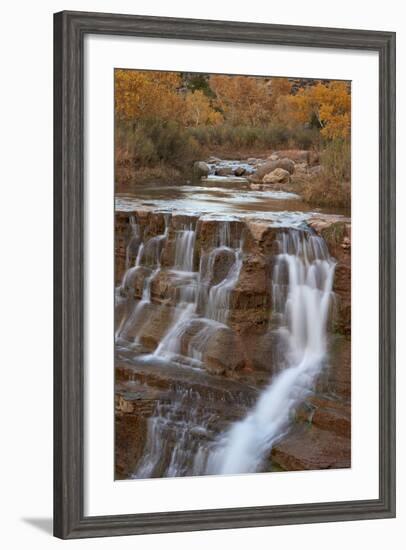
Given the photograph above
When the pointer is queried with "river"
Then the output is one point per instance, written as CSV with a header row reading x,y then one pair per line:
x,y
224,310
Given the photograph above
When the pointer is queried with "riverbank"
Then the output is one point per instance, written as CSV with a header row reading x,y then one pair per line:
x,y
304,172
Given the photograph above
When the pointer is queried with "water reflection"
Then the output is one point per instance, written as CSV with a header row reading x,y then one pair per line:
x,y
235,199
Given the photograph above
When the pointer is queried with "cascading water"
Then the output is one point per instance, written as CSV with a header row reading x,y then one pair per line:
x,y
180,440
194,292
302,291
148,257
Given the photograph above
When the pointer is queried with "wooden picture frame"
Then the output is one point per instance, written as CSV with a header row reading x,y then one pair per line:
x,y
70,30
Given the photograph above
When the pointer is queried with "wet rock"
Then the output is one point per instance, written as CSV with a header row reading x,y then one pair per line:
x,y
327,413
259,346
336,231
260,238
335,379
178,222
249,303
224,171
256,186
134,281
155,226
239,171
211,233
310,448
216,265
131,416
153,324
121,237
223,352
333,420
279,175
167,286
200,169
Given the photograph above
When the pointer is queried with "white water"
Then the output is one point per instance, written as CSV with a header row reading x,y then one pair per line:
x,y
195,288
218,303
148,255
184,249
301,284
302,287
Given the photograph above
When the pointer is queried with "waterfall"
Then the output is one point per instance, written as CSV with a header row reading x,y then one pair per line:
x,y
169,346
184,249
195,290
197,304
302,287
178,420
218,303
148,257
133,241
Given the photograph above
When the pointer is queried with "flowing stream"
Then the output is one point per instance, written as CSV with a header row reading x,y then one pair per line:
x,y
194,431
302,290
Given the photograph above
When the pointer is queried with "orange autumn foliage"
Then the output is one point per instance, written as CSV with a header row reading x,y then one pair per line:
x,y
147,94
141,95
327,104
198,110
246,100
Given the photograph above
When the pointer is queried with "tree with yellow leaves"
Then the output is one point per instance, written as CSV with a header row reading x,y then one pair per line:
x,y
243,100
147,94
198,110
326,105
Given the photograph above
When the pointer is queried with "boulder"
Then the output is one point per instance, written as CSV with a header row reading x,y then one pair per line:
x,y
297,155
286,164
239,171
200,169
270,166
224,171
213,160
279,175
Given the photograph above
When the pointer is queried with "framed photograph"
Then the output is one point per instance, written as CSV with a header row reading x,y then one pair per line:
x,y
224,275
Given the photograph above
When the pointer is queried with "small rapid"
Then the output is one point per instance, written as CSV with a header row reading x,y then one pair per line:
x,y
181,439
302,292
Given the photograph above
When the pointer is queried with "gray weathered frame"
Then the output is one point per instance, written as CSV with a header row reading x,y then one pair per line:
x,y
69,31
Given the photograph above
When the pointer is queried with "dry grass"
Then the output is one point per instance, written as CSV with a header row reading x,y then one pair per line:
x,y
331,185
128,177
322,190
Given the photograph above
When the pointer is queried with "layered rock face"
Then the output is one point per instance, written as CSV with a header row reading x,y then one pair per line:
x,y
196,342
225,275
